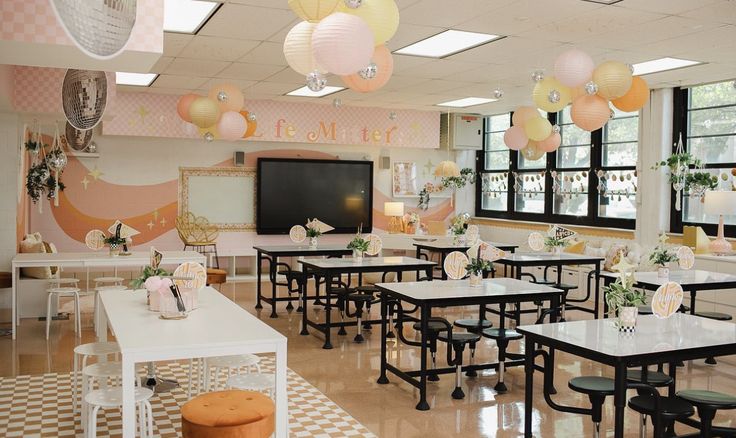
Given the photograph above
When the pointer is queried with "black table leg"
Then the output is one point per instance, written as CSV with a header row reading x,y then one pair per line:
x,y
423,405
672,390
328,310
382,379
443,255
419,256
692,301
303,288
619,399
597,289
274,271
528,386
564,295
259,262
502,344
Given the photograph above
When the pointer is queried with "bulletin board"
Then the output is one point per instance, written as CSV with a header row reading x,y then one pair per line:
x,y
226,196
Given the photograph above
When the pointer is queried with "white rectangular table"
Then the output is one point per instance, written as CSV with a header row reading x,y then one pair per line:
x,y
91,260
218,327
680,337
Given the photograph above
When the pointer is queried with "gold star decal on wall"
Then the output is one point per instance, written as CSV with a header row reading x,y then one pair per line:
x,y
428,167
150,225
163,222
95,173
142,112
155,215
85,182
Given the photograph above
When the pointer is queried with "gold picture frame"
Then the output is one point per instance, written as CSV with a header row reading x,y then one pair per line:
x,y
226,196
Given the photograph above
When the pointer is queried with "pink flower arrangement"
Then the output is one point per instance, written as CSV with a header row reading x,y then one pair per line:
x,y
158,284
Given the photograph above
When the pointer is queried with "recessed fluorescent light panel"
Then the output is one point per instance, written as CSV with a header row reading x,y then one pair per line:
x,y
306,92
187,16
447,43
603,2
137,79
662,64
468,101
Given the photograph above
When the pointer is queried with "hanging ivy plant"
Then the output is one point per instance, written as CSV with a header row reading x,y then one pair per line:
x,y
51,187
467,176
699,182
674,162
37,180
33,145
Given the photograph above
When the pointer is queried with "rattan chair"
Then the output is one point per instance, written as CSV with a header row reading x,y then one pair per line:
x,y
198,234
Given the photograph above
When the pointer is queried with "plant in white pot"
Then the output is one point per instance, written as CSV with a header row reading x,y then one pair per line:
x,y
661,256
359,246
458,227
475,268
624,300
555,244
313,234
115,243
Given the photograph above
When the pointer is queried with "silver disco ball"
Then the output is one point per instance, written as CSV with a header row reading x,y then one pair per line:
x,y
100,28
76,139
84,97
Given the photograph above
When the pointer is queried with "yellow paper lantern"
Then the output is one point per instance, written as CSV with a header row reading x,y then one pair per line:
x,y
613,79
232,97
204,112
590,112
537,128
382,17
522,114
550,95
532,152
314,10
635,98
298,49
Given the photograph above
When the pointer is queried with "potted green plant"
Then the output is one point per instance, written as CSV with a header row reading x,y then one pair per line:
x,y
313,234
555,244
458,226
475,268
624,300
660,257
697,183
114,242
359,245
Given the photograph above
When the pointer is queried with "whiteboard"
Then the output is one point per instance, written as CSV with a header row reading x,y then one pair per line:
x,y
223,195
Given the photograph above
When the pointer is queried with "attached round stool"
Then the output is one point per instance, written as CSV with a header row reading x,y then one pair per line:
x,y
113,398
229,363
473,325
707,403
434,327
458,341
64,292
93,349
670,410
596,388
565,288
231,414
360,300
657,379
710,360
502,338
253,382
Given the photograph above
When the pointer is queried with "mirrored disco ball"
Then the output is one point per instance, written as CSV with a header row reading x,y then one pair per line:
x,y
76,139
84,96
100,28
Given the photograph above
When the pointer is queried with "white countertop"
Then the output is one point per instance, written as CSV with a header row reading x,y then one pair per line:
x,y
372,262
103,258
679,332
449,244
547,256
440,289
683,277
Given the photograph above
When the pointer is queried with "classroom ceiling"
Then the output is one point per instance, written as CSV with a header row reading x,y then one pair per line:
x,y
242,44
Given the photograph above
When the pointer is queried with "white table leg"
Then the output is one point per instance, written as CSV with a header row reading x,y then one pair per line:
x,y
101,327
282,405
14,279
128,397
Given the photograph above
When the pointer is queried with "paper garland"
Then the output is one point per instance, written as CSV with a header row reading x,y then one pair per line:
x,y
95,240
536,241
375,244
685,257
297,234
455,264
194,272
667,300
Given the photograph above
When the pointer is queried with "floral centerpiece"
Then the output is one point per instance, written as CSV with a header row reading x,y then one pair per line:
x,y
114,242
661,256
622,298
412,222
148,272
359,245
156,286
475,268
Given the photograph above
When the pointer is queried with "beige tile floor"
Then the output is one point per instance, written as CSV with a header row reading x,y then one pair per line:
x,y
347,375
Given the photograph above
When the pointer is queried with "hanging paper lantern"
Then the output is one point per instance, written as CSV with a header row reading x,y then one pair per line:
x,y
342,43
613,79
382,17
84,97
313,10
232,125
635,98
550,95
573,68
384,69
515,138
204,112
551,143
228,97
252,124
447,169
532,152
298,49
522,114
182,106
590,112
537,128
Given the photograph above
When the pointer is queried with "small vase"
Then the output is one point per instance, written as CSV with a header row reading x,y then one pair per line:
x,y
114,250
476,279
663,272
312,242
627,319
557,250
358,255
411,229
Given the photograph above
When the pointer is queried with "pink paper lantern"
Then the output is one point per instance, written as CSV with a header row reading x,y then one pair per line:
x,y
551,143
515,138
385,68
342,43
590,112
573,68
182,106
232,125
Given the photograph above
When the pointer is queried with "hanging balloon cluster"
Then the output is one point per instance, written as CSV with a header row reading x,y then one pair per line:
x,y
218,115
588,88
343,37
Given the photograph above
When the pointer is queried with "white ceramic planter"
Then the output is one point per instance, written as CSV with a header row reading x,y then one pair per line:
x,y
663,272
476,279
312,242
627,319
358,255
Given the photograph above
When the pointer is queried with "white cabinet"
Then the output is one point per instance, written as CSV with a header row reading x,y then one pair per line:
x,y
461,131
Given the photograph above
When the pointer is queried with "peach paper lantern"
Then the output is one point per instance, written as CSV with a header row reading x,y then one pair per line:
x,y
613,79
515,138
314,10
550,95
522,114
590,112
252,125
551,143
573,68
182,106
635,98
228,97
382,17
385,67
232,125
204,112
298,49
537,128
342,43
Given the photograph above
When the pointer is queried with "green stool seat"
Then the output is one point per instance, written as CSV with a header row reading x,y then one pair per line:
x,y
433,326
565,287
595,385
671,408
645,310
655,378
473,324
712,398
460,338
497,333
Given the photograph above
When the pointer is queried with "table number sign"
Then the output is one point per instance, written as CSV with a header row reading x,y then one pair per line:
x,y
95,240
455,264
667,300
156,257
190,276
536,241
375,244
685,257
297,234
472,234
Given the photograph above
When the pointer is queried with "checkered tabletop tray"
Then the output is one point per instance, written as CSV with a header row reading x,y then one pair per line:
x,y
40,406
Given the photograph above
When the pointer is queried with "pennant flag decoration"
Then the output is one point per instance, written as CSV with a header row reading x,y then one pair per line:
x,y
472,234
297,234
319,225
667,300
125,230
561,233
486,251
156,257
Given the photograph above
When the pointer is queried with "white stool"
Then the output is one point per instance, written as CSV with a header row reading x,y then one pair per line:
x,y
228,363
59,282
113,398
253,382
64,292
110,281
93,349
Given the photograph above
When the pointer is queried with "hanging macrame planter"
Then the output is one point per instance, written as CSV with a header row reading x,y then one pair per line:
x,y
44,173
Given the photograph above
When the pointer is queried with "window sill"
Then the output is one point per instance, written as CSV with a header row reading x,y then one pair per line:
x,y
618,233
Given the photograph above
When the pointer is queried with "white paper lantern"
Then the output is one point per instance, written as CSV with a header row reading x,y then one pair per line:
x,y
298,49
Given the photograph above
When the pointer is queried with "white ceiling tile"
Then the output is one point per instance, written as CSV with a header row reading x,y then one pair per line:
x,y
289,76
669,7
266,53
439,68
262,3
724,11
175,42
132,89
217,48
251,72
267,87
246,22
196,67
411,33
161,65
171,81
443,13
240,83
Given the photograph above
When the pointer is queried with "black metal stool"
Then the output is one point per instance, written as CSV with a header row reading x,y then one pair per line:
x,y
458,342
473,326
707,403
435,326
710,360
596,388
565,288
657,379
360,300
502,338
293,277
663,410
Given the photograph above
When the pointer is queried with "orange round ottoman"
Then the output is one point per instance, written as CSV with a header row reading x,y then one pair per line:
x,y
228,414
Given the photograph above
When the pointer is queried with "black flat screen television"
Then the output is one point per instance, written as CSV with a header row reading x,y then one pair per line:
x,y
290,191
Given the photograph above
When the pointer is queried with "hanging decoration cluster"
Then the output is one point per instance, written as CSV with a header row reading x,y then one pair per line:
x,y
220,114
589,90
343,37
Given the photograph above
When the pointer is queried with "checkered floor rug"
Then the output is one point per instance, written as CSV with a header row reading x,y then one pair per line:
x,y
40,406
